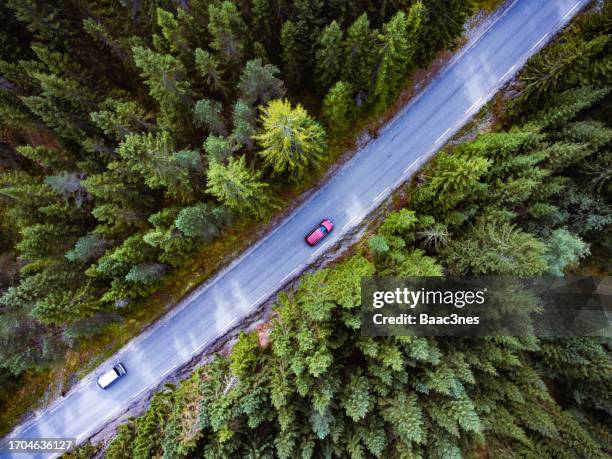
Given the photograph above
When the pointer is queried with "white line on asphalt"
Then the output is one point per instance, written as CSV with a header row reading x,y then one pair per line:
x,y
356,217
381,194
200,347
457,58
289,275
474,105
167,372
25,428
261,298
539,42
442,136
228,325
139,393
57,406
508,73
314,255
571,11
412,164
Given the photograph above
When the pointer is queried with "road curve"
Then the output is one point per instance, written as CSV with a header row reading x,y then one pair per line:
x,y
459,91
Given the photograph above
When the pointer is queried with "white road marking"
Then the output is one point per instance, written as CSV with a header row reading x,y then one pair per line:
x,y
167,372
412,164
229,324
317,251
571,11
381,194
57,406
474,105
483,33
139,393
261,298
199,348
347,224
508,73
442,136
289,275
534,47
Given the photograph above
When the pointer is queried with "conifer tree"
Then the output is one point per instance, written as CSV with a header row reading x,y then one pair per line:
x,y
500,249
360,53
239,188
166,78
338,108
153,156
209,113
202,221
243,119
292,141
209,68
329,56
399,40
228,30
455,176
174,32
564,249
258,83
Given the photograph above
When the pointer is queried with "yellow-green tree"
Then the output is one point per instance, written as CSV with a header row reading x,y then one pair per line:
x,y
292,141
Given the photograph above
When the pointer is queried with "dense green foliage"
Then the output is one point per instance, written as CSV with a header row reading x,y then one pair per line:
x,y
133,133
518,201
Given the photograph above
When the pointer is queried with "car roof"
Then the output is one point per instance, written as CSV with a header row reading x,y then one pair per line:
x,y
108,377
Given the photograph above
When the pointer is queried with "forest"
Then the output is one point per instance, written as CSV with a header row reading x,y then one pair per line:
x,y
530,196
135,134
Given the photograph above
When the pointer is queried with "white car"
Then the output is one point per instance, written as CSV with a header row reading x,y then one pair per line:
x,y
109,377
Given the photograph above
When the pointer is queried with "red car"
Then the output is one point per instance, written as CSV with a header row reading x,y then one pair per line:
x,y
319,232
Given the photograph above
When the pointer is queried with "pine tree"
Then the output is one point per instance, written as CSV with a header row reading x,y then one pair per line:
x,y
166,78
499,249
202,221
209,113
563,249
443,23
398,40
153,157
292,141
120,118
293,53
228,30
329,56
338,108
454,176
243,119
209,68
360,53
258,83
239,188
174,32
100,33
122,445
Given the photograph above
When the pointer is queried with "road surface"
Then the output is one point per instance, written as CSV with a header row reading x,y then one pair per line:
x,y
461,89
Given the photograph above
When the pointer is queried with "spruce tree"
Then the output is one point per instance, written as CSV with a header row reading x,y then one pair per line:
x,y
329,56
338,108
399,40
228,31
360,54
239,188
292,141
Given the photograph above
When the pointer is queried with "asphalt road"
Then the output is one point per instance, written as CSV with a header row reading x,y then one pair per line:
x,y
424,125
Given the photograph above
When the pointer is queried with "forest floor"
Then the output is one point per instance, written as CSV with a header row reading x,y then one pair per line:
x,y
44,387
